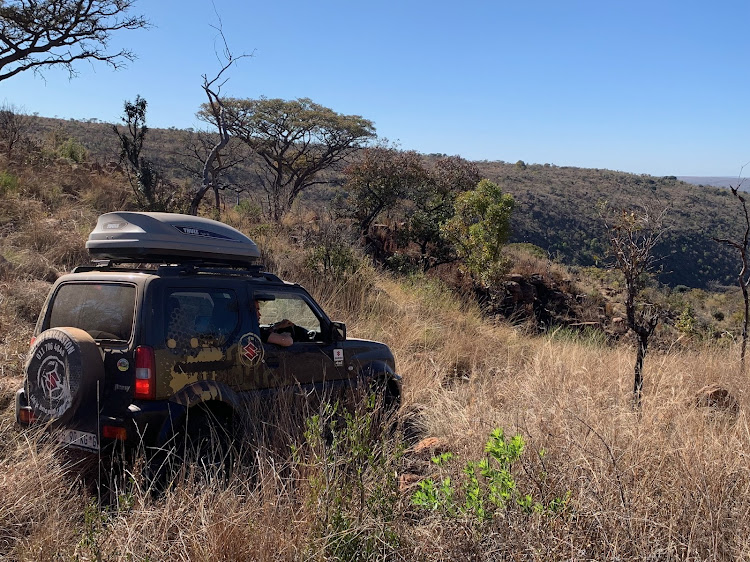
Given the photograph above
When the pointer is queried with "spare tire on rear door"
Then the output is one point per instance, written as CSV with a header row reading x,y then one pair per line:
x,y
62,371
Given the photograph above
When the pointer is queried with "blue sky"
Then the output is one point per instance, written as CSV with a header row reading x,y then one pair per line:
x,y
655,87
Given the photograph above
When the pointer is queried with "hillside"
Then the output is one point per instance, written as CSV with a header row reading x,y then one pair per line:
x,y
557,210
556,206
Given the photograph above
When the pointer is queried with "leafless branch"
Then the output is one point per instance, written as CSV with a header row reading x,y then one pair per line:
x,y
39,34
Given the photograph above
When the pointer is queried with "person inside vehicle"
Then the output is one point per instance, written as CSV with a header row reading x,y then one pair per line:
x,y
272,334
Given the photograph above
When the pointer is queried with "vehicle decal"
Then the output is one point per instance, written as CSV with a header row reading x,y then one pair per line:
x,y
123,365
338,357
51,377
193,231
200,391
251,350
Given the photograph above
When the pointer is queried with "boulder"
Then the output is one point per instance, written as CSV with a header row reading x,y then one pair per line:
x,y
717,398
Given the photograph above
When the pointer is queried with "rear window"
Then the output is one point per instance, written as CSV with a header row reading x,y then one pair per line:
x,y
104,310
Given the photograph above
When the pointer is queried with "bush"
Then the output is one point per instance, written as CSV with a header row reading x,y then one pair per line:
x,y
73,150
8,183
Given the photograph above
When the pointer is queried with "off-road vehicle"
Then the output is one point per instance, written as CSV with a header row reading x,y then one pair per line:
x,y
163,329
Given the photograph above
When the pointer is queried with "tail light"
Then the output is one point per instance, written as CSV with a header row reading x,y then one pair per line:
x,y
26,415
145,373
114,432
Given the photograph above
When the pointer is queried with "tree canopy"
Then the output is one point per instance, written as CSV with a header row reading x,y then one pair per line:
x,y
38,34
295,141
480,228
379,180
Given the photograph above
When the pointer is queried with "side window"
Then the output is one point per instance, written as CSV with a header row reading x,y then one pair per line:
x,y
198,318
292,307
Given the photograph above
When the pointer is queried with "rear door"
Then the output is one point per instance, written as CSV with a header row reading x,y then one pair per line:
x,y
202,326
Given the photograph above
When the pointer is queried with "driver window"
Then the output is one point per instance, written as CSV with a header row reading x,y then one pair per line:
x,y
290,307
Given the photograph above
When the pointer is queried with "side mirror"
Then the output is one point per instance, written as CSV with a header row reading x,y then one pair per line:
x,y
338,331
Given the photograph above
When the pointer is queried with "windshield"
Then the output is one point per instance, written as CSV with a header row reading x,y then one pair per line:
x,y
104,310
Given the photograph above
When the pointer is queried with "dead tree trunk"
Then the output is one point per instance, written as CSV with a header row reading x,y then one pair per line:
x,y
633,237
743,277
215,112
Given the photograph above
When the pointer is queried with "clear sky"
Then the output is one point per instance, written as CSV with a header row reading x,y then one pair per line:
x,y
656,86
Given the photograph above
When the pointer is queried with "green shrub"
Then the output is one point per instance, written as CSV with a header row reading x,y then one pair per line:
x,y
333,258
351,474
489,485
249,211
8,183
73,150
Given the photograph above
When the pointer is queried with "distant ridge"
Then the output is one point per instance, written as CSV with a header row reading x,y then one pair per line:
x,y
715,181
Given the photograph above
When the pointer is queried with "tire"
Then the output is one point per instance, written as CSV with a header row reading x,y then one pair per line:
x,y
387,399
62,371
208,441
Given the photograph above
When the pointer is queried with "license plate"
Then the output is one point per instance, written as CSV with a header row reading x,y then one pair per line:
x,y
75,438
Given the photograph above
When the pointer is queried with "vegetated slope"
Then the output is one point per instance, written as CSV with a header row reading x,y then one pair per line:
x,y
557,207
582,486
557,210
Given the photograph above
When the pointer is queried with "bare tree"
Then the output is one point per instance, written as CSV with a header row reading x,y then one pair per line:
x,y
39,34
743,277
633,235
198,148
14,128
217,161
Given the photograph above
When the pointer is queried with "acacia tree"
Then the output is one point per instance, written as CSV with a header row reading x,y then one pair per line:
x,y
633,237
743,276
39,34
296,141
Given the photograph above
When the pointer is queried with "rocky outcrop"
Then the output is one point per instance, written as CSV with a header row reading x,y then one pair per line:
x,y
717,399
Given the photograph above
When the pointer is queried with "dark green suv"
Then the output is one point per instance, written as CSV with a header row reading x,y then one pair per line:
x,y
125,353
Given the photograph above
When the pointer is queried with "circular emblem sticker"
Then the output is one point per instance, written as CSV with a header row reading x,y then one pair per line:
x,y
123,365
56,386
251,350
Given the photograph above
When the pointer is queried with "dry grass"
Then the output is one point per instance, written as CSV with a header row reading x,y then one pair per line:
x,y
667,482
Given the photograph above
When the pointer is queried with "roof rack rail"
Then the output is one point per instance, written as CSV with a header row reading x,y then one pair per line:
x,y
199,267
184,267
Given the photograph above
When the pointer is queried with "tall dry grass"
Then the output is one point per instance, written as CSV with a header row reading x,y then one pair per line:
x,y
669,481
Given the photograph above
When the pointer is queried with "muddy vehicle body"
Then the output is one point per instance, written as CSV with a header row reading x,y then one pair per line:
x,y
136,355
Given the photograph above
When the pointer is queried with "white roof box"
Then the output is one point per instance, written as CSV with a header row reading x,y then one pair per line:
x,y
168,238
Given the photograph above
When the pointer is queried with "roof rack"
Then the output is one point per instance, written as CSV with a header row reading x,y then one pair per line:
x,y
196,267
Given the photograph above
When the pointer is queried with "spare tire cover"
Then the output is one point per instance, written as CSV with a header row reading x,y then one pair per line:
x,y
62,369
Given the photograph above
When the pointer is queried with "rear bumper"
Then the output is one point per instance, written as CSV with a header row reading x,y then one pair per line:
x,y
144,424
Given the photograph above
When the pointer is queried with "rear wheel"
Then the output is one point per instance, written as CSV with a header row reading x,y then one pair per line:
x,y
208,440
